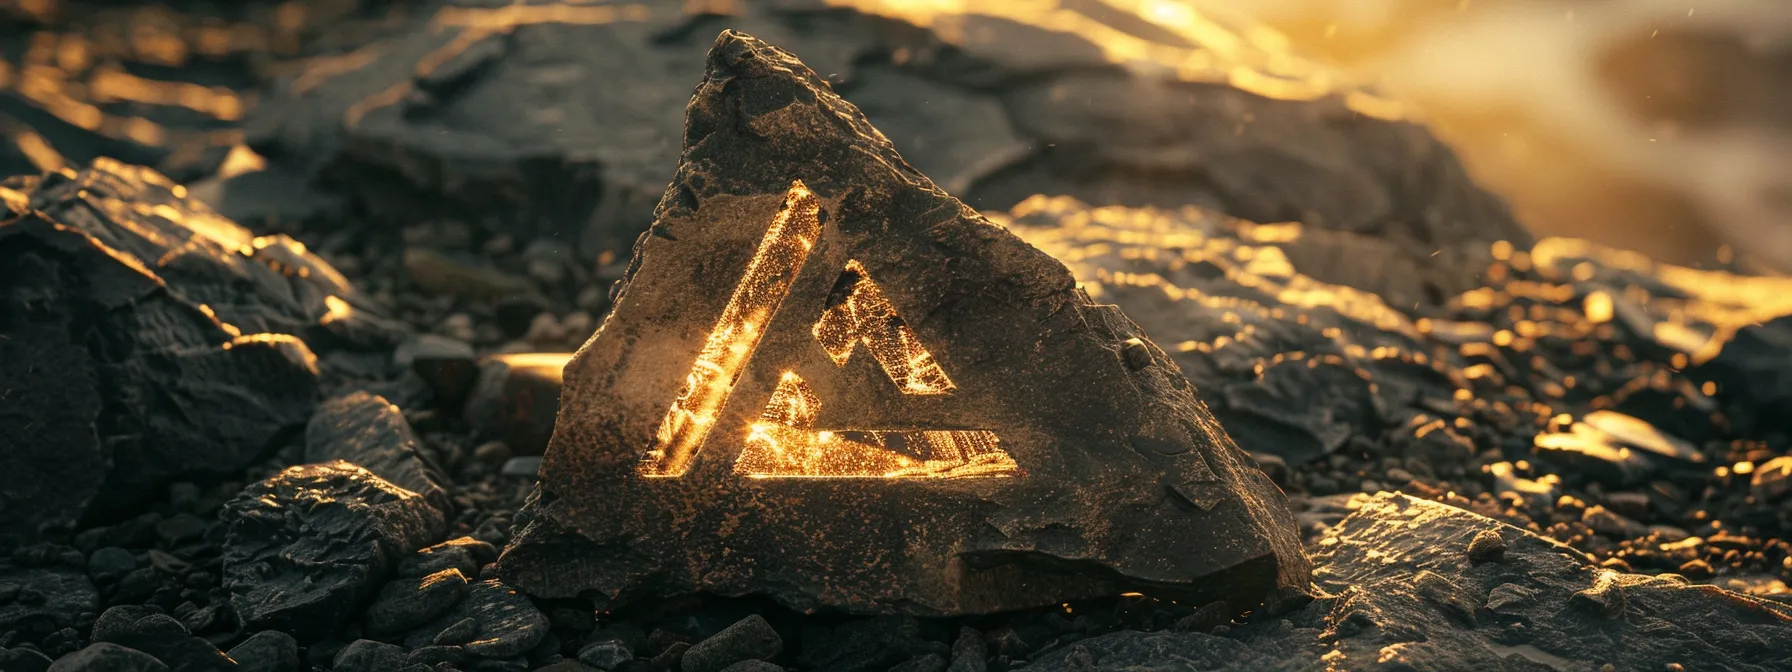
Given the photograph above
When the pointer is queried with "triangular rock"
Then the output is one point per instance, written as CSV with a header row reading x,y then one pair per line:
x,y
827,381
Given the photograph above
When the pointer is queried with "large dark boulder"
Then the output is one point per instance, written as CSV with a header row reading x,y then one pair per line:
x,y
142,339
1000,441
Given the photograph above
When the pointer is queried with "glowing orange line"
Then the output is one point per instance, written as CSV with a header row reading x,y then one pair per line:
x,y
756,298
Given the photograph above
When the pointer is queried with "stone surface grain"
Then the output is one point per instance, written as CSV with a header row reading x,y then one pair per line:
x,y
1117,459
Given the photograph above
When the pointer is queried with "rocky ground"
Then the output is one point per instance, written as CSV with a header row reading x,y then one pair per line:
x,y
295,435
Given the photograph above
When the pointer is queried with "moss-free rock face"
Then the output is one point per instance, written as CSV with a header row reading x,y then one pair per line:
x,y
829,382
144,338
1418,585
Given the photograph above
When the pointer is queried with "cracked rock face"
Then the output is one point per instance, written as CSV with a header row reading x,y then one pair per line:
x,y
309,546
900,408
1414,586
142,339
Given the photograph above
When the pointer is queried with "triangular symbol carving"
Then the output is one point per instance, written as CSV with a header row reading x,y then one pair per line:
x,y
784,441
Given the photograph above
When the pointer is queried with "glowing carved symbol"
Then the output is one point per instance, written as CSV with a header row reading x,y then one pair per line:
x,y
784,442
769,275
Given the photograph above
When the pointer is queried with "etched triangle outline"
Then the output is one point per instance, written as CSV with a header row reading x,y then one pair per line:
x,y
783,442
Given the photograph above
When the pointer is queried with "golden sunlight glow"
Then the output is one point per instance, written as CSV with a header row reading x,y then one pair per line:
x,y
858,313
1248,55
337,310
737,333
1720,304
784,444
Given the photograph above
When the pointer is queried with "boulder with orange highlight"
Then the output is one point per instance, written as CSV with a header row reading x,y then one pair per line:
x,y
829,382
145,339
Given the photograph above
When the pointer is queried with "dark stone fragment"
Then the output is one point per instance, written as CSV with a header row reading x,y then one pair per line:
x,y
262,197
750,638
567,666
606,655
927,662
45,599
320,655
672,657
367,431
515,314
23,660
460,275
521,466
409,602
267,651
516,664
1597,455
308,546
180,528
577,618
110,563
969,652
365,655
447,365
161,636
1604,598
1119,453
753,666
434,655
1206,618
493,621
516,399
118,621
464,553
187,370
1162,650
138,585
104,657
1487,546
457,633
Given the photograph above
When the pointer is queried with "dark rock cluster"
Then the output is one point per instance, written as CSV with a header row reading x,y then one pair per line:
x,y
222,448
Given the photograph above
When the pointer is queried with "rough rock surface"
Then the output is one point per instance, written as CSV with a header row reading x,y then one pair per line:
x,y
267,651
161,636
366,430
475,108
44,599
1299,367
1404,592
308,547
133,319
1092,494
104,657
409,602
494,621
